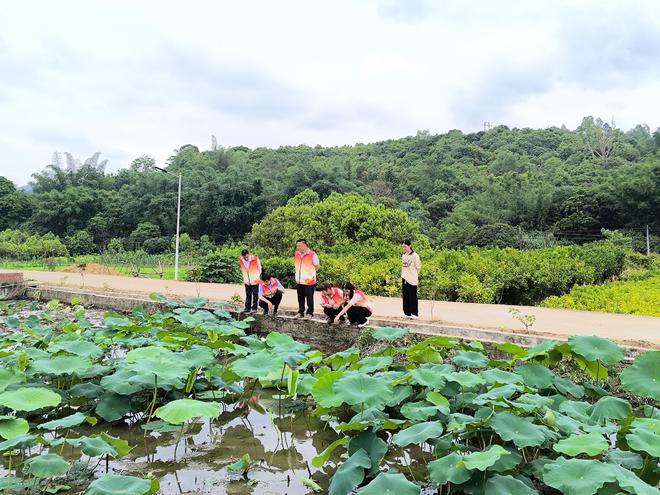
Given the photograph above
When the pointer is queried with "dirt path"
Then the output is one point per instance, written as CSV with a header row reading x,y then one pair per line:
x,y
630,329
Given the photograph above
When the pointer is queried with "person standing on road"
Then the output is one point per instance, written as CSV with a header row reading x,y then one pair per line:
x,y
410,266
357,307
251,269
270,293
306,263
332,300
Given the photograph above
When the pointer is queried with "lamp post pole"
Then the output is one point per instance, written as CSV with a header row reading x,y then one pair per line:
x,y
178,223
178,220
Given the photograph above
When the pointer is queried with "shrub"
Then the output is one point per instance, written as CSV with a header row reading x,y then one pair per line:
x,y
216,267
638,297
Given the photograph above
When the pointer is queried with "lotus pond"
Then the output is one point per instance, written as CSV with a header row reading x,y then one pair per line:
x,y
186,401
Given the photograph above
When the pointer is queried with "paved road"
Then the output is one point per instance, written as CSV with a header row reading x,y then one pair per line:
x,y
642,331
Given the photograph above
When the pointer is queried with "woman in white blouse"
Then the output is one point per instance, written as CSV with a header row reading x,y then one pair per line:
x,y
410,266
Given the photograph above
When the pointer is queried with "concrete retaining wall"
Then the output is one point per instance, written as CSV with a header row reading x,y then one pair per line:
x,y
315,332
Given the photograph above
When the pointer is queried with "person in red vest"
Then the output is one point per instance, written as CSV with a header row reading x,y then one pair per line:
x,y
306,263
332,300
251,269
357,307
270,293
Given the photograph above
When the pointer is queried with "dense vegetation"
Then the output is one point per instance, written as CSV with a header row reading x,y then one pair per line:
x,y
505,187
638,292
437,413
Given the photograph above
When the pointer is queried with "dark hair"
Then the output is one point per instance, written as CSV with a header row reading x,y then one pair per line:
x,y
408,243
350,288
303,241
266,276
325,286
244,252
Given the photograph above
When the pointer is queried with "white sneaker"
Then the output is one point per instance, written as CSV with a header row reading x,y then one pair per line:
x,y
414,317
364,324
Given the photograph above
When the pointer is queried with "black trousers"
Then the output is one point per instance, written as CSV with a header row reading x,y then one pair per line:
x,y
275,299
305,293
409,292
358,314
332,312
251,297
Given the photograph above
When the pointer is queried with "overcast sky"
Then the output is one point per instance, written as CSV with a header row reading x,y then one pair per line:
x,y
144,77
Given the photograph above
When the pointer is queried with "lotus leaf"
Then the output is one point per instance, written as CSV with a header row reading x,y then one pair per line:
x,y
643,376
591,444
359,389
30,399
507,485
449,469
112,406
61,365
349,474
67,422
115,484
323,457
577,476
47,466
11,426
390,484
181,410
257,365
536,375
418,433
484,459
470,359
610,408
389,333
374,446
519,430
595,348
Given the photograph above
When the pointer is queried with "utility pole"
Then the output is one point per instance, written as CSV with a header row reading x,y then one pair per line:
x,y
648,241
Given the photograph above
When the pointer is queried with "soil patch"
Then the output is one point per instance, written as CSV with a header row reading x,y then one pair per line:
x,y
95,268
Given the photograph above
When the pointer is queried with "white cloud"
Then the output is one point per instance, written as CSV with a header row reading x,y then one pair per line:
x,y
128,78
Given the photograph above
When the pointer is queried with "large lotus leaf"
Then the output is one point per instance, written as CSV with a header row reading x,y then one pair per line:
x,y
568,387
67,422
115,484
449,469
119,444
112,406
630,482
625,458
61,365
390,484
257,365
418,433
30,399
432,376
610,408
285,342
470,359
533,402
420,410
11,426
577,476
519,430
536,375
167,369
644,440
120,382
359,389
507,485
374,446
116,322
20,442
580,411
93,446
541,349
8,377
343,358
497,394
349,474
596,349
195,357
148,352
82,348
507,462
465,379
323,392
47,466
372,363
500,377
643,376
195,302
389,333
181,410
484,459
401,393
88,390
591,444
322,458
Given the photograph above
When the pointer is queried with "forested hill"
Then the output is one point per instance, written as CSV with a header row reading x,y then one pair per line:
x,y
462,188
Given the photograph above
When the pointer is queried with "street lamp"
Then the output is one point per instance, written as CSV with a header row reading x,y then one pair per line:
x,y
178,218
